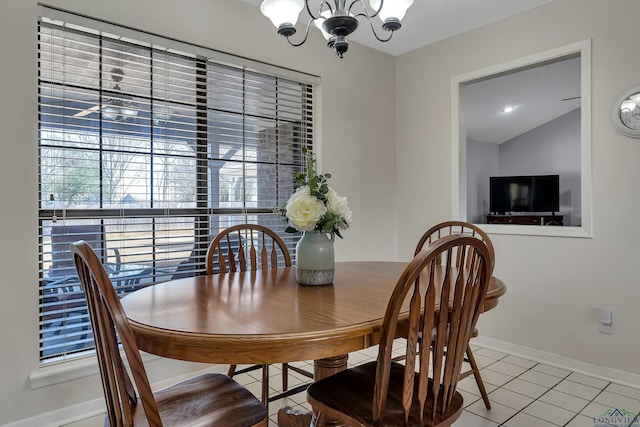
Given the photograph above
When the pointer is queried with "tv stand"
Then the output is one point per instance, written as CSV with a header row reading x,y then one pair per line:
x,y
526,219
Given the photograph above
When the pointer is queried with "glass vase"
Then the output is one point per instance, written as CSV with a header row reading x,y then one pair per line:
x,y
315,263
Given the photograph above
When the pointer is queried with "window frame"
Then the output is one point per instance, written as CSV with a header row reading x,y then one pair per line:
x,y
202,213
459,144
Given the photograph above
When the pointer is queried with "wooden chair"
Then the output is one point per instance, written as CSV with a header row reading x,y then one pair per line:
x,y
444,229
455,227
209,399
250,247
387,393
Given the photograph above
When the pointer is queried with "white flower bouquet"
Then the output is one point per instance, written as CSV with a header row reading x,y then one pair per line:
x,y
315,205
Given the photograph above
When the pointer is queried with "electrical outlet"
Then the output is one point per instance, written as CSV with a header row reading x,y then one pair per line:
x,y
606,329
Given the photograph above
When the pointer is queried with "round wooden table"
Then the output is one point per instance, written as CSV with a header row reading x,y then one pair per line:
x,y
265,317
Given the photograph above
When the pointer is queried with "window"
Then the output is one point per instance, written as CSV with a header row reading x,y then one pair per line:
x,y
550,136
146,152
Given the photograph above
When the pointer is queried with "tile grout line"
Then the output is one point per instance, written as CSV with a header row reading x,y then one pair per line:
x,y
537,398
566,377
593,400
548,389
576,414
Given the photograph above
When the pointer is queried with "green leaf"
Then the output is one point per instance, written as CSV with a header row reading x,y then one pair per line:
x,y
318,188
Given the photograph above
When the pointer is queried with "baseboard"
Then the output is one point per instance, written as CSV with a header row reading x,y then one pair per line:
x,y
96,407
63,416
608,374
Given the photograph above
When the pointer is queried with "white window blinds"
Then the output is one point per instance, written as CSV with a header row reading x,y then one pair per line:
x,y
146,153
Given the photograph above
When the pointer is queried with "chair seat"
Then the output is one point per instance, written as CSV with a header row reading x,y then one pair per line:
x,y
220,401
335,393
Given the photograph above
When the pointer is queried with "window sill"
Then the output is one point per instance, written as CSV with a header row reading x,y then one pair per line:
x,y
537,230
59,372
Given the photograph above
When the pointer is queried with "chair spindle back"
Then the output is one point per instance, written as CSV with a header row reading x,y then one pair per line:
x,y
448,228
463,291
246,247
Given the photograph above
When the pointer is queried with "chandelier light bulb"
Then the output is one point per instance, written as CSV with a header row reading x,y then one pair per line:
x,y
392,11
282,12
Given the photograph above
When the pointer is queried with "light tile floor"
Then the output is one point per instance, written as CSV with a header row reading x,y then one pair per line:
x,y
523,393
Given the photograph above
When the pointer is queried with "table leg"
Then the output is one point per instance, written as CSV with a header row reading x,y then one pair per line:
x,y
323,368
287,417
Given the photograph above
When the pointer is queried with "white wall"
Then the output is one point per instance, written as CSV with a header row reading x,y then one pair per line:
x,y
555,284
550,149
483,161
356,107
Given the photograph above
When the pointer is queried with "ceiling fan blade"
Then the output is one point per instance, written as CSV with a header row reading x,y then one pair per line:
x,y
569,99
87,111
119,100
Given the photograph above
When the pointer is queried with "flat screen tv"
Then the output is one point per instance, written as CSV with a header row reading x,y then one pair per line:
x,y
534,193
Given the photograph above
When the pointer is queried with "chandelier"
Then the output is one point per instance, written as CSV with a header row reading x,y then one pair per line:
x,y
336,19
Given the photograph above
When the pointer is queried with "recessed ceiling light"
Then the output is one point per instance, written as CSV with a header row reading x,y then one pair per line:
x,y
508,109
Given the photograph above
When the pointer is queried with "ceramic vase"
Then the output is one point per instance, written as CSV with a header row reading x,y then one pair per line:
x,y
315,263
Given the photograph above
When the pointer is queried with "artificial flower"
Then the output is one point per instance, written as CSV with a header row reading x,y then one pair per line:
x,y
315,205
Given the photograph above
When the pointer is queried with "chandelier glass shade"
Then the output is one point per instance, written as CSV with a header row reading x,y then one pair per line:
x,y
336,19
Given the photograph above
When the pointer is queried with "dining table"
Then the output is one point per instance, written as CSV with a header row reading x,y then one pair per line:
x,y
265,317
